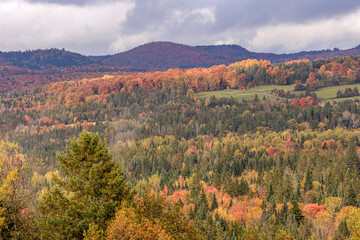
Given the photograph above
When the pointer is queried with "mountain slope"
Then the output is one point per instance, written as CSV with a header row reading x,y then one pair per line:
x,y
165,55
161,56
44,59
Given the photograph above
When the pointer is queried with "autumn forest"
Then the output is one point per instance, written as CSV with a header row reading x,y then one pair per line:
x,y
93,151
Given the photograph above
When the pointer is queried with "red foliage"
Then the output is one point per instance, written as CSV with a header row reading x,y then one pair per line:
x,y
27,118
272,151
45,120
312,209
304,102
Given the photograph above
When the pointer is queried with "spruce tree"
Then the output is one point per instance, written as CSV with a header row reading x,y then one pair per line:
x,y
352,158
217,180
214,204
308,181
243,187
342,231
350,198
296,211
203,200
92,188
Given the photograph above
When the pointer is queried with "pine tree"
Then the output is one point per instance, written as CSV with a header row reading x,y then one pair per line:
x,y
203,200
231,203
93,187
214,204
270,193
342,232
350,198
308,181
284,213
296,211
243,187
352,158
217,180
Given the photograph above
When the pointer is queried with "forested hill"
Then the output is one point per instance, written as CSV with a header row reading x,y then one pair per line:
x,y
157,56
39,59
165,55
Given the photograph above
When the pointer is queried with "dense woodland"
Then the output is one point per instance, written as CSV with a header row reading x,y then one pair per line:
x,y
140,156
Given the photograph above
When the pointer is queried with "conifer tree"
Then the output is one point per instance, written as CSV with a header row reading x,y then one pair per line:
x,y
352,158
350,198
92,188
296,211
217,180
203,200
342,232
214,204
308,181
243,187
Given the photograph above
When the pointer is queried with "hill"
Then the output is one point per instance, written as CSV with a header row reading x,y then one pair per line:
x,y
48,58
158,56
165,55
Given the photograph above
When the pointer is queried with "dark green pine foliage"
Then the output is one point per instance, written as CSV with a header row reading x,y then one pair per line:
x,y
352,158
203,200
270,193
308,181
214,204
217,180
283,216
350,198
231,203
243,187
296,211
92,188
342,232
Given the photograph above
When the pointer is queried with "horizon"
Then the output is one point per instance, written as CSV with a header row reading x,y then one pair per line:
x,y
203,45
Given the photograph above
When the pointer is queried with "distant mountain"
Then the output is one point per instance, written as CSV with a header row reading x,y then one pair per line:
x,y
161,56
157,56
165,55
38,59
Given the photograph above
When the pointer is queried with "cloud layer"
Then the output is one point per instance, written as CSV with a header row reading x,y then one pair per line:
x,y
110,26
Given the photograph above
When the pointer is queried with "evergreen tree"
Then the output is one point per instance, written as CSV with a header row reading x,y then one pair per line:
x,y
203,200
352,158
93,187
214,204
296,212
284,213
308,181
243,187
217,180
231,203
350,198
342,232
270,193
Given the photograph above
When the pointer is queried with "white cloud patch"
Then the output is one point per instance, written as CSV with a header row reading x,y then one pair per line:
x,y
109,26
88,29
342,32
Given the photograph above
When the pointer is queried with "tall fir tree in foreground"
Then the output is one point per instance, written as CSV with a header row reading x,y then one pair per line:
x,y
92,188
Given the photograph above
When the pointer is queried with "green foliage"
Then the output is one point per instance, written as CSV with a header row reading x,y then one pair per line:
x,y
93,187
342,231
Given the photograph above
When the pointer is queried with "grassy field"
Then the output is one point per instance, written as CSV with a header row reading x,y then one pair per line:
x,y
330,92
322,93
268,88
228,93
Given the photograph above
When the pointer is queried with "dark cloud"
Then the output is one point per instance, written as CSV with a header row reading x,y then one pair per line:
x,y
109,26
229,13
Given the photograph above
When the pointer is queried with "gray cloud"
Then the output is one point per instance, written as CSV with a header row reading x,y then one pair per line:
x,y
109,26
72,2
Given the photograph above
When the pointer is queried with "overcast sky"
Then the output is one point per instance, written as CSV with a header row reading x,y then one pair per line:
x,y
101,27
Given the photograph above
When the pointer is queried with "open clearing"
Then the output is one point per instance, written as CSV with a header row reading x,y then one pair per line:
x,y
328,93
